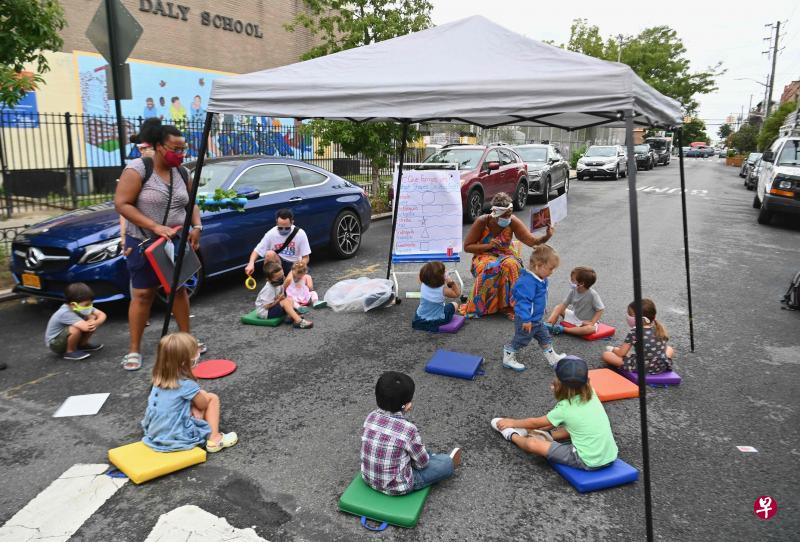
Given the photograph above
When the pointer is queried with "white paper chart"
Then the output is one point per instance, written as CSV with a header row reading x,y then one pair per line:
x,y
429,218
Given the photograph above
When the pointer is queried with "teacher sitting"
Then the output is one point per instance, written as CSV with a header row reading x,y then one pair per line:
x,y
496,263
153,196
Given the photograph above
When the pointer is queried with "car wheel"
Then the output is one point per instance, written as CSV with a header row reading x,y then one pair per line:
x,y
756,202
474,205
616,173
346,235
545,196
579,177
193,286
564,189
522,195
764,216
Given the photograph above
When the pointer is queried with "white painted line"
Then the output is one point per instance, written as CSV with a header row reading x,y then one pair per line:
x,y
193,524
57,512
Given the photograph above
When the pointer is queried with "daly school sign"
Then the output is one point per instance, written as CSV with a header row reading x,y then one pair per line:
x,y
181,13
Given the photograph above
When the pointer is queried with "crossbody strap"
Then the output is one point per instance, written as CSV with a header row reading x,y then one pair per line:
x,y
288,240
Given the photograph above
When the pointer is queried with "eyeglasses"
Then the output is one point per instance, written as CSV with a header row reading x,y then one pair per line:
x,y
181,149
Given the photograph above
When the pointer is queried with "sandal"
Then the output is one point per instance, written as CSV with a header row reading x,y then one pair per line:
x,y
132,361
227,440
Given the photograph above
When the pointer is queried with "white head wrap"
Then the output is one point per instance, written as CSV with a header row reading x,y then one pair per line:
x,y
500,211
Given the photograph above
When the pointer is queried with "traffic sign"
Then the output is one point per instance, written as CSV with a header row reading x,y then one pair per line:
x,y
127,32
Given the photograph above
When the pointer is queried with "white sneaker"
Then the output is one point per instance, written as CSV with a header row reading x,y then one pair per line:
x,y
609,348
510,361
553,358
509,431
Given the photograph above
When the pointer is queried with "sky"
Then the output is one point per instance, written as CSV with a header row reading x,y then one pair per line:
x,y
710,31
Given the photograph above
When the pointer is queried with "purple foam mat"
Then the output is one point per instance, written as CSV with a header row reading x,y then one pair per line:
x,y
668,378
453,325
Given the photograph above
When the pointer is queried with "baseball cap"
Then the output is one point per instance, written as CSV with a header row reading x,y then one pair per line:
x,y
572,372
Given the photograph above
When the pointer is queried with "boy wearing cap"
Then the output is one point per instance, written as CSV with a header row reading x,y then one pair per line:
x,y
578,415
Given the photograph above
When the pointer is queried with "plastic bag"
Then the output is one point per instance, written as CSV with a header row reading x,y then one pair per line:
x,y
359,295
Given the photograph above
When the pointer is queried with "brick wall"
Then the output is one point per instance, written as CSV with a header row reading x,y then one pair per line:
x,y
173,40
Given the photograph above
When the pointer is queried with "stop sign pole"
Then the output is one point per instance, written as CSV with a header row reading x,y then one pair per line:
x,y
114,63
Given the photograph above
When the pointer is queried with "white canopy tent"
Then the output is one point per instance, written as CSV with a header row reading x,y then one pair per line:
x,y
469,71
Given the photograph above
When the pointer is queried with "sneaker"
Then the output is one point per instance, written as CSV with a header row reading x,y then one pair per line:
x,y
303,324
609,348
553,358
541,435
509,431
455,455
202,347
302,310
510,361
89,347
77,355
554,329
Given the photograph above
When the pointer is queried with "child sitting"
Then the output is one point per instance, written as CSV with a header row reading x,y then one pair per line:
x,y
530,298
393,459
272,301
578,415
582,307
72,325
657,354
435,286
179,414
300,287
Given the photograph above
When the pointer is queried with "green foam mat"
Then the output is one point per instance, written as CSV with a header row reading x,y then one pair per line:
x,y
402,510
252,319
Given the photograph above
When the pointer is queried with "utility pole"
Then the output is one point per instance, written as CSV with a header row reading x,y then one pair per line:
x,y
619,47
774,53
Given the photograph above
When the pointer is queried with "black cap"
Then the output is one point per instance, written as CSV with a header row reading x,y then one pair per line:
x,y
572,372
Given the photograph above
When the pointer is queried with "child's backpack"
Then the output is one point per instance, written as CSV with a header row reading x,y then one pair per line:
x,y
792,297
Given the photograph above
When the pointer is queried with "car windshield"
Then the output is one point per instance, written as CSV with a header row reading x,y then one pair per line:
x,y
754,156
214,176
790,155
532,154
657,144
601,151
465,158
642,148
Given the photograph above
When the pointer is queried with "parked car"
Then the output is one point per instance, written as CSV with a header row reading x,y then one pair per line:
x,y
84,245
694,152
752,175
645,156
603,161
547,170
778,188
748,164
662,147
485,170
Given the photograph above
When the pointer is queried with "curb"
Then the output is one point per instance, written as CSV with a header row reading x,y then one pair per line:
x,y
381,216
8,295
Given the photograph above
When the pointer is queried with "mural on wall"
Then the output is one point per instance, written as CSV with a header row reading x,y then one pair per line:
x,y
177,95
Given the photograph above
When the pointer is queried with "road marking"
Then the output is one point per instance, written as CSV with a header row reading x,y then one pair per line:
x,y
667,190
57,512
10,391
191,523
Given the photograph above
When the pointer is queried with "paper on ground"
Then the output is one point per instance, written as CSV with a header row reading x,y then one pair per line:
x,y
81,405
746,449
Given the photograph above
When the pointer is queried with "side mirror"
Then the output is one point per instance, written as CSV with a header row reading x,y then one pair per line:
x,y
768,156
493,166
249,192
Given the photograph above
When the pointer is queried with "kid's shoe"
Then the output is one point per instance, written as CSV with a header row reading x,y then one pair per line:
x,y
554,329
455,455
510,361
509,431
77,355
227,440
304,324
302,310
89,347
552,357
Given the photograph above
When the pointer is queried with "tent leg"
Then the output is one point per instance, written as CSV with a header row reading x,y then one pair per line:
x,y
201,156
403,146
679,133
637,303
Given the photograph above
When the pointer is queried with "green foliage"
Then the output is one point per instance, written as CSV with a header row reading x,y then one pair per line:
x,y
576,154
694,130
769,130
745,140
724,131
656,54
28,28
222,199
731,153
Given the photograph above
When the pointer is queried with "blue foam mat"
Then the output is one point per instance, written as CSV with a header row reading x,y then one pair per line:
x,y
616,474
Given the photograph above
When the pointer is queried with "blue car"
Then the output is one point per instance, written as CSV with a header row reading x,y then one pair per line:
x,y
84,245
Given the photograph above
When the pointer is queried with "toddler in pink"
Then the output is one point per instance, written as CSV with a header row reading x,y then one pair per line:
x,y
300,286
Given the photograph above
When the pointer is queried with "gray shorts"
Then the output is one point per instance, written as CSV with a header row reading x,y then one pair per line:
x,y
59,343
566,454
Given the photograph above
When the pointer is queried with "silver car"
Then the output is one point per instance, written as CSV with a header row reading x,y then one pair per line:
x,y
547,170
603,161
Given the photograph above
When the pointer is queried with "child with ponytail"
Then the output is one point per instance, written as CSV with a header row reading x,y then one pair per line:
x,y
657,354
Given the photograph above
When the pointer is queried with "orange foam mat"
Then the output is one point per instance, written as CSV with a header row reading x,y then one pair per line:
x,y
610,385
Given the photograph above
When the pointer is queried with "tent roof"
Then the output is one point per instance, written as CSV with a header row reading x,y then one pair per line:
x,y
472,71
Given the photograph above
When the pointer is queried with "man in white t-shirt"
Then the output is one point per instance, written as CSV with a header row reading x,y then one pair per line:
x,y
271,245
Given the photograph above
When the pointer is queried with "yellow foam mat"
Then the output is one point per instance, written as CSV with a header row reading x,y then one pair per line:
x,y
140,463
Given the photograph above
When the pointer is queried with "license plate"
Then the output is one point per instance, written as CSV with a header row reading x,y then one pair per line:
x,y
30,280
593,169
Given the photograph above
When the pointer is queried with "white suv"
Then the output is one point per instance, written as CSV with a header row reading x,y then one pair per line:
x,y
778,189
603,160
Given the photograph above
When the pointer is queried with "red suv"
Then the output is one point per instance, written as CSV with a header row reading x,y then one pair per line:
x,y
485,171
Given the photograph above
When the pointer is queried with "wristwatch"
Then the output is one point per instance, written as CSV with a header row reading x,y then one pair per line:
x,y
198,227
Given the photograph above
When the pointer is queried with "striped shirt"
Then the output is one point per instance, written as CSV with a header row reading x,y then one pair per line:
x,y
153,198
390,447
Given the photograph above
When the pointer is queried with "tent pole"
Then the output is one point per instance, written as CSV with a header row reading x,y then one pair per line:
x,y
637,304
679,133
397,198
201,155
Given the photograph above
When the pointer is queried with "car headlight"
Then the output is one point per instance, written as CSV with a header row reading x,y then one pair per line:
x,y
99,252
535,173
784,184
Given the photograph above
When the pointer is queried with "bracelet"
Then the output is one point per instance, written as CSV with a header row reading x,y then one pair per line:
x,y
198,227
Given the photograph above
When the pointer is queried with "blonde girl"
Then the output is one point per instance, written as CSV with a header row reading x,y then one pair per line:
x,y
657,354
179,414
300,287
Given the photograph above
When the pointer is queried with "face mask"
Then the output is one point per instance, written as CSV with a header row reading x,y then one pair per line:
x,y
503,222
173,159
83,311
284,231
632,320
573,285
277,282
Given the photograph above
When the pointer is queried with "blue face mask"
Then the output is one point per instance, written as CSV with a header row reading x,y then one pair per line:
x,y
503,222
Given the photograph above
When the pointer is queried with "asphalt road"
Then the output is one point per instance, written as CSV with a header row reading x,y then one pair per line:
x,y
298,397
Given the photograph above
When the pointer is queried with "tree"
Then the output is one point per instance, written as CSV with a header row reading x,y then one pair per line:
x,y
694,130
724,131
745,139
769,130
343,24
28,28
656,54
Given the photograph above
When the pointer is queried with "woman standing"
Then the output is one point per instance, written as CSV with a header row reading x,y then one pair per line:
x,y
152,208
496,263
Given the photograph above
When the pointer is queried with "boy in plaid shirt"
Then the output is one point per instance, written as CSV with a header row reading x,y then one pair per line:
x,y
393,459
